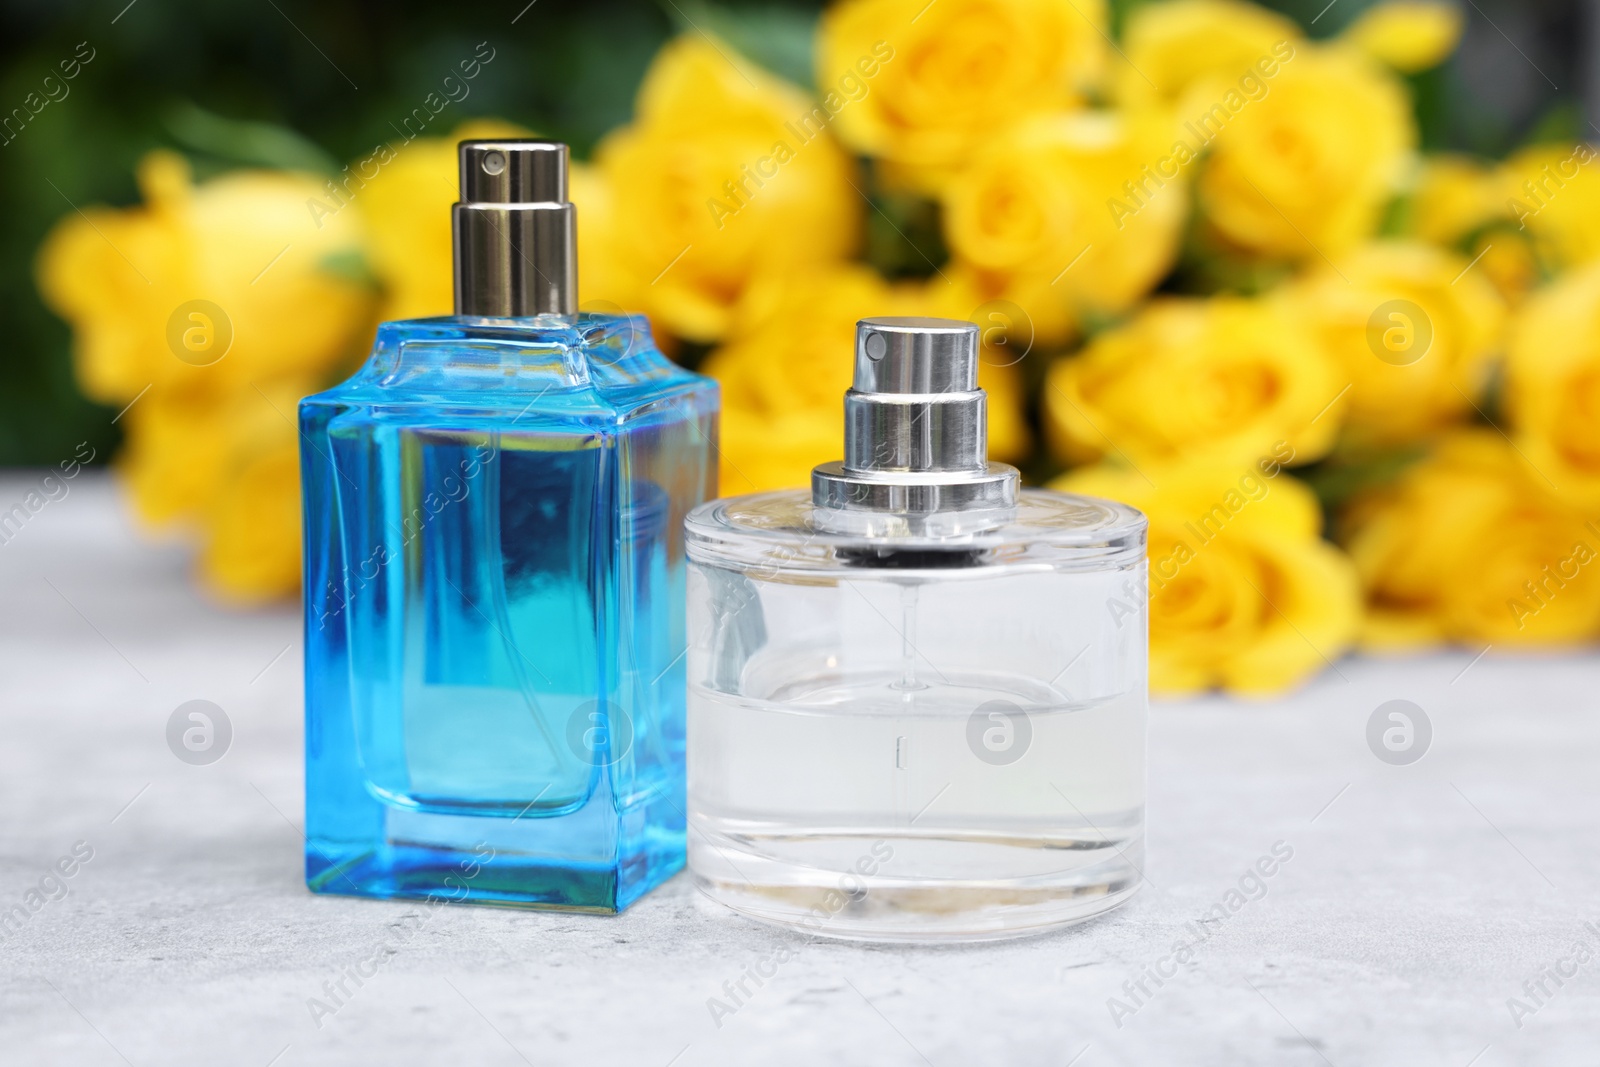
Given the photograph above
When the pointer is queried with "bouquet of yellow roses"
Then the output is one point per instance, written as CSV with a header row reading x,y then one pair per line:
x,y
1355,387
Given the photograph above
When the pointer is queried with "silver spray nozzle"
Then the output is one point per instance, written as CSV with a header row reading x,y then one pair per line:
x,y
916,424
515,233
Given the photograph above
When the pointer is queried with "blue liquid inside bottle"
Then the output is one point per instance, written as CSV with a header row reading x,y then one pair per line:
x,y
495,612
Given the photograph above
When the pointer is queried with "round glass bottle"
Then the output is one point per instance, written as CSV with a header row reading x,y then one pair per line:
x,y
917,694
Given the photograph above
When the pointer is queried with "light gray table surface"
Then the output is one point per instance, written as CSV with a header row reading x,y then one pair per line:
x,y
1418,899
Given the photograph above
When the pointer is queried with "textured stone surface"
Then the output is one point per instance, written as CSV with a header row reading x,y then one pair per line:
x,y
1417,901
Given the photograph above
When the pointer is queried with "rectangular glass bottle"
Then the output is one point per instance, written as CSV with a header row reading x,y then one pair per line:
x,y
494,607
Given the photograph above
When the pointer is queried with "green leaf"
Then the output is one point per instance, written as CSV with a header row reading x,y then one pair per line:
x,y
1345,474
350,265
1561,123
904,235
243,142
776,36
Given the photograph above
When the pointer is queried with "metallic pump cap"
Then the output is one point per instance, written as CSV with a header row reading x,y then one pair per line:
x,y
916,436
516,243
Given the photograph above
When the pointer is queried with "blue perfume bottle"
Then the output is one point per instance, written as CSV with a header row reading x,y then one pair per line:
x,y
494,570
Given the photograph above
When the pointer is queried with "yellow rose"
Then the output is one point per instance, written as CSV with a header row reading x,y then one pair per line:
x,y
1010,439
1179,47
1094,202
1470,545
407,206
227,467
785,371
1006,337
173,459
251,547
1460,203
1553,191
1305,169
1454,195
1227,378
1414,331
1244,593
1553,384
783,375
211,387
791,357
1408,35
605,285
210,288
1023,304
722,178
937,78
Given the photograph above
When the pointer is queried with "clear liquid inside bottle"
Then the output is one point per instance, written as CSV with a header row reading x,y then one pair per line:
x,y
900,737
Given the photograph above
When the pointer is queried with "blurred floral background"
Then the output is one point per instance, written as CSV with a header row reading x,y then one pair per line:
x,y
1314,285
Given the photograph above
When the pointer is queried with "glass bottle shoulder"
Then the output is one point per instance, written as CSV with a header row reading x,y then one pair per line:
x,y
601,367
784,531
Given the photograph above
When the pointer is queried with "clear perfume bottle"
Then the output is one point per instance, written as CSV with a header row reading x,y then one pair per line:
x,y
917,694
495,579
